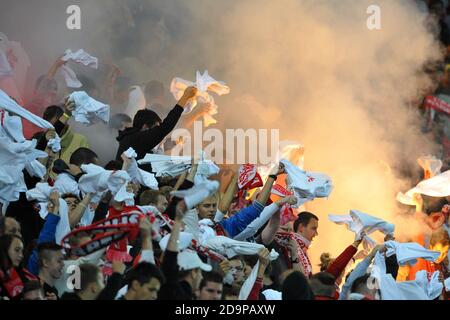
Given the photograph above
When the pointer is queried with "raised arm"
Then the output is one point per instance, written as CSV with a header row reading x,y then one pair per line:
x,y
264,195
54,68
227,198
77,213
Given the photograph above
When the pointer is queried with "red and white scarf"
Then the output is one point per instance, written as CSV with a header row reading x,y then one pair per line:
x,y
436,103
248,179
282,238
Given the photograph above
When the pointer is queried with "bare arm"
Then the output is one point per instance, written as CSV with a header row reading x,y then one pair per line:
x,y
180,180
76,215
225,201
263,196
269,232
192,173
54,68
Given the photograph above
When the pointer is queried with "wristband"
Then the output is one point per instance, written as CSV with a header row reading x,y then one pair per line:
x,y
295,261
65,115
273,176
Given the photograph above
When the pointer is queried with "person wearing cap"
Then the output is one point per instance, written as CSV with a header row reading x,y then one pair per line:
x,y
182,270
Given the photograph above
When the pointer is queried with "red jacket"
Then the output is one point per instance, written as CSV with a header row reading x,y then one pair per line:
x,y
338,265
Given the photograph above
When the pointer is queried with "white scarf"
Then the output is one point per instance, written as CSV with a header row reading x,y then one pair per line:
x,y
198,193
437,186
80,57
408,253
358,222
88,110
205,84
138,175
306,185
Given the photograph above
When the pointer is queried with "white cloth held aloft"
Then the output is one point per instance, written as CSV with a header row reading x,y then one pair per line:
x,y
66,184
205,84
8,104
408,253
167,166
88,110
143,177
55,143
231,248
80,57
437,186
41,193
197,193
307,185
98,180
205,169
418,289
358,222
14,158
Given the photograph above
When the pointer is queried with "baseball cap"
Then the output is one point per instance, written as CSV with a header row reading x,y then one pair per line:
x,y
188,260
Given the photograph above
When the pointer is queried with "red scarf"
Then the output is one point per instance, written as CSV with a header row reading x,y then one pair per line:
x,y
13,281
435,103
282,238
248,179
124,227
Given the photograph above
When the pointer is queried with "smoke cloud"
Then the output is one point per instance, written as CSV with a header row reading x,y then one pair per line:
x,y
310,68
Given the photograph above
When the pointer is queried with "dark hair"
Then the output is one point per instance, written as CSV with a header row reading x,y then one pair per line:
x,y
296,287
5,242
145,117
211,276
118,119
303,219
230,291
433,204
44,251
52,112
323,284
82,156
113,165
360,285
143,272
149,197
32,285
88,274
154,89
2,225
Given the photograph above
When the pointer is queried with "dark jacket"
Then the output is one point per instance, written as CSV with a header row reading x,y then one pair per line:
x,y
144,141
173,289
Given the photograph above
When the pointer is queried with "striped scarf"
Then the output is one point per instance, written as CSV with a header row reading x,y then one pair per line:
x,y
282,238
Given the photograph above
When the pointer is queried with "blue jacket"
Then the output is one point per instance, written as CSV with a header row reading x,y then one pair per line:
x,y
238,222
47,235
